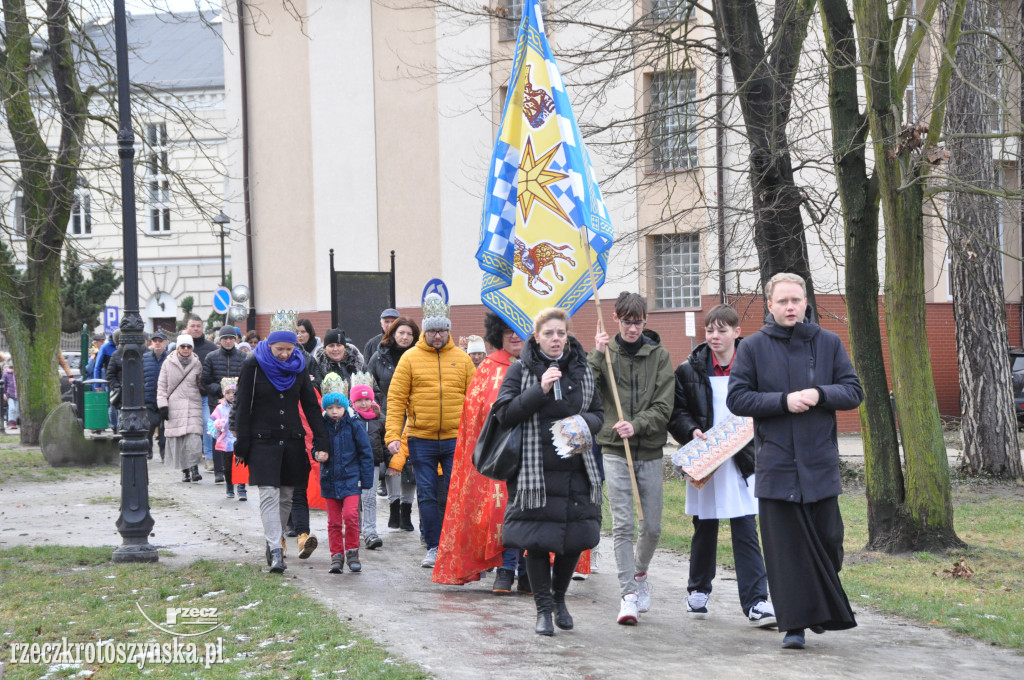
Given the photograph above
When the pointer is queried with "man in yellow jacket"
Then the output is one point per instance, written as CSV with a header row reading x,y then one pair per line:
x,y
425,398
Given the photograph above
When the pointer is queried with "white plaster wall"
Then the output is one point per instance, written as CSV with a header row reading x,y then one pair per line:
x,y
344,153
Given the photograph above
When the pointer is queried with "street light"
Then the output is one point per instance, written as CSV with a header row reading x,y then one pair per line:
x,y
222,220
134,521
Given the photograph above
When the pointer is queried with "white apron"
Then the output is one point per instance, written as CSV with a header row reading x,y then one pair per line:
x,y
727,495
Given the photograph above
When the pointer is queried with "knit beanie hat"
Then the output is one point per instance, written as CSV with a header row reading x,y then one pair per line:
x,y
335,336
475,344
185,339
334,399
282,327
436,314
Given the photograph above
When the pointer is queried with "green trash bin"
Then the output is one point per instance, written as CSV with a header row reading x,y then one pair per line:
x,y
97,405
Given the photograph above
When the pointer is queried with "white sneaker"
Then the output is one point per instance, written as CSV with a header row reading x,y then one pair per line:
x,y
628,611
697,604
579,576
431,558
643,593
762,615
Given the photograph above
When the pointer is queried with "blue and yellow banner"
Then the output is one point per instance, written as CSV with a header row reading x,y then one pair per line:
x,y
542,196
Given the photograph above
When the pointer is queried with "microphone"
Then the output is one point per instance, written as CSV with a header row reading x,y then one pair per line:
x,y
557,385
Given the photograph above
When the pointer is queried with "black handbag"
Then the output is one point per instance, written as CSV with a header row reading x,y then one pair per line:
x,y
498,451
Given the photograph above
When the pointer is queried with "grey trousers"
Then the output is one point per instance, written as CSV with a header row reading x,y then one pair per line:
x,y
649,480
368,512
400,489
275,507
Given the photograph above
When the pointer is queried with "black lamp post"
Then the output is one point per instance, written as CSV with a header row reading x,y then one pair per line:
x,y
134,521
222,220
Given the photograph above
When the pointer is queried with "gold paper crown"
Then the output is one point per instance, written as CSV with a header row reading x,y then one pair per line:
x,y
362,378
283,320
333,384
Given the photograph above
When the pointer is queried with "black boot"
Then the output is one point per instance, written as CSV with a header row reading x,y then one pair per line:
x,y
562,618
405,521
218,467
186,475
195,473
395,510
277,561
540,578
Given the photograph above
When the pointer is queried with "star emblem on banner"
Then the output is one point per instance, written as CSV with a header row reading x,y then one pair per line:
x,y
534,178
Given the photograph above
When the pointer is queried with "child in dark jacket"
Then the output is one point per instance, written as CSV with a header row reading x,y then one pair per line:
x,y
368,415
347,466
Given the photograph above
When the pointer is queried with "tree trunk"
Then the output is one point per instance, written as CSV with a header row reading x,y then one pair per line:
x,y
927,522
989,424
30,295
859,195
764,81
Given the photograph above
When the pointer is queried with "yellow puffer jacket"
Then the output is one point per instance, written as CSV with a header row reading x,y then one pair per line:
x,y
427,391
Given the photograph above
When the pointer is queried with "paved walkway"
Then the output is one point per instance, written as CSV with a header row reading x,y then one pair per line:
x,y
467,633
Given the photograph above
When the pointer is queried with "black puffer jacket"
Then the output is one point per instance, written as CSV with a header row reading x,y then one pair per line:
x,y
375,431
221,363
382,368
693,405
151,365
353,361
569,522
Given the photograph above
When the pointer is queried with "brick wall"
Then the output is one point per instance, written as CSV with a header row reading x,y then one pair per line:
x,y
671,326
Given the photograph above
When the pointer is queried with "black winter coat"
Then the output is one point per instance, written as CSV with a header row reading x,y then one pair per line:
x,y
375,431
797,453
114,365
693,408
569,522
221,363
349,465
382,368
202,347
371,347
151,365
353,361
269,430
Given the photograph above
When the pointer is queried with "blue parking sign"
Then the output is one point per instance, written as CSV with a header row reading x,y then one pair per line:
x,y
111,319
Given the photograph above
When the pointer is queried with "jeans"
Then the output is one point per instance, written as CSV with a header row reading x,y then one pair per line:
x,y
431,489
207,439
368,516
649,480
342,524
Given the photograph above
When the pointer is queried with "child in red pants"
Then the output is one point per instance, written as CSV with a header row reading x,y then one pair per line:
x,y
344,471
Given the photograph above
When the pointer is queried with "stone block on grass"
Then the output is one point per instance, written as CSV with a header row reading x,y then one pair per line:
x,y
65,445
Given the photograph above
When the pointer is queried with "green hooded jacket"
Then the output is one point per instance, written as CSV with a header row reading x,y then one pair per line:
x,y
646,385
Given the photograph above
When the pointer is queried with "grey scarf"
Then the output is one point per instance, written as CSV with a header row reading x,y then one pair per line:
x,y
530,492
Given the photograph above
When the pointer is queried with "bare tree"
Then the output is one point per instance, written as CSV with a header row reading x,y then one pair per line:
x,y
973,113
56,87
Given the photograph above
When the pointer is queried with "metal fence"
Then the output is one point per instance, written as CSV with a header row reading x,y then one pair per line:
x,y
69,342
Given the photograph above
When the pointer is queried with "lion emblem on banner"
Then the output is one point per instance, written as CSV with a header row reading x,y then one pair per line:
x,y
537,104
533,261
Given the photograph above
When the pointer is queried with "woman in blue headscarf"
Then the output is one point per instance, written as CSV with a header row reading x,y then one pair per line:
x,y
272,384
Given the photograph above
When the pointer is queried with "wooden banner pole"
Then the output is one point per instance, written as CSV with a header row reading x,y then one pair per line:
x,y
611,372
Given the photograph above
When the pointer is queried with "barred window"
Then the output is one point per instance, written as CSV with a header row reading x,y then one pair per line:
x,y
676,271
508,29
673,120
668,11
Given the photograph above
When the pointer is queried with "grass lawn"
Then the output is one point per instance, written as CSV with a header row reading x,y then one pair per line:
x,y
988,606
268,628
19,464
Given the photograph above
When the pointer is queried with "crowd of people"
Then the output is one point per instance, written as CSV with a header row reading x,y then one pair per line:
x,y
319,422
